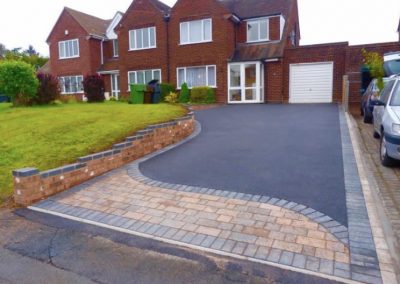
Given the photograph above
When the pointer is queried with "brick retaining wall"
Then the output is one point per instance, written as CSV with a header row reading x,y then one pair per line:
x,y
30,185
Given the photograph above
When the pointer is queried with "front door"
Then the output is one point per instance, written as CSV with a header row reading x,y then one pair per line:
x,y
245,81
115,90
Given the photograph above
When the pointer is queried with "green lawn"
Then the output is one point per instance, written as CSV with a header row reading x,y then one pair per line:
x,y
50,136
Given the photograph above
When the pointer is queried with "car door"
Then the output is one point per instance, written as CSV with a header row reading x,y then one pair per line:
x,y
380,109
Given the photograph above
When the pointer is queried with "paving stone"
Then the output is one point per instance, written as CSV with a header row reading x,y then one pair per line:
x,y
208,241
218,243
198,239
326,266
299,261
262,253
312,263
243,237
228,245
239,248
250,250
286,258
274,255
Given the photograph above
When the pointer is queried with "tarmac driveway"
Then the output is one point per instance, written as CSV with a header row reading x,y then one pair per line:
x,y
292,152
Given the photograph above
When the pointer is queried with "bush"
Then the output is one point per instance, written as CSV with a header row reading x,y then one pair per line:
x,y
171,98
93,85
202,95
165,89
48,90
185,94
18,81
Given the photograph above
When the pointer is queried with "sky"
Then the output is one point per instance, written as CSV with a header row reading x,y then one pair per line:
x,y
25,22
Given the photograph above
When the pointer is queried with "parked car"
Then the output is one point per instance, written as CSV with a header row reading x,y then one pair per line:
x,y
386,117
391,63
370,99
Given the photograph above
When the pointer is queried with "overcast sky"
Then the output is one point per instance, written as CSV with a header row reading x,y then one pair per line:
x,y
24,22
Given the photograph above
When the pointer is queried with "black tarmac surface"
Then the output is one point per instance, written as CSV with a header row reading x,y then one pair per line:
x,y
292,152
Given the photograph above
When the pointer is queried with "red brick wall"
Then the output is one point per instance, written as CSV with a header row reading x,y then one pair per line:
x,y
273,82
89,50
335,52
216,52
275,28
354,61
142,14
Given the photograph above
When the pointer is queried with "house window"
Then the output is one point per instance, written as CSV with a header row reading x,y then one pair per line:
x,y
68,49
197,76
196,31
258,30
115,48
143,76
71,84
142,38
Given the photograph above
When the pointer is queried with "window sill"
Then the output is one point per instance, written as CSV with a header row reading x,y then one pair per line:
x,y
199,42
64,58
259,41
139,49
74,93
212,87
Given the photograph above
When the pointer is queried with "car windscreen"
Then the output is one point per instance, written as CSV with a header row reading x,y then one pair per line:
x,y
392,67
395,101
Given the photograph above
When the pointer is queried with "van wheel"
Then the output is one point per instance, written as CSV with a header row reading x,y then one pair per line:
x,y
376,135
385,159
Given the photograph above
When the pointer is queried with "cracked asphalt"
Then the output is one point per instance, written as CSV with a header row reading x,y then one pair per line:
x,y
39,248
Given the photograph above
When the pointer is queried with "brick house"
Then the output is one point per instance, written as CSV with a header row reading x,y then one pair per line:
x,y
248,50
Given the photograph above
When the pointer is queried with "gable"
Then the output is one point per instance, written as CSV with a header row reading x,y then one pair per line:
x,y
65,22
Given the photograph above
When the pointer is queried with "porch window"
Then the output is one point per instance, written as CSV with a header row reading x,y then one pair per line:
x,y
196,31
142,38
71,84
258,30
68,49
245,82
197,76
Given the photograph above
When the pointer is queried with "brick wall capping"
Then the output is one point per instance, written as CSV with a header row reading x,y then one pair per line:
x,y
62,170
25,172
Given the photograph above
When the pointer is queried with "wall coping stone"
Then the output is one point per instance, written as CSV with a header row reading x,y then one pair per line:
x,y
122,145
62,170
25,172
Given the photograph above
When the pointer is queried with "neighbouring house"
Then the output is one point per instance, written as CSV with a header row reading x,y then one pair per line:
x,y
248,50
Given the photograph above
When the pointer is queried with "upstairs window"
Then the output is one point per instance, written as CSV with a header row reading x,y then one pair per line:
x,y
196,31
68,49
258,30
142,38
115,48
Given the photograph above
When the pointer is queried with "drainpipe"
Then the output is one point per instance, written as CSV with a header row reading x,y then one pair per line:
x,y
101,50
166,20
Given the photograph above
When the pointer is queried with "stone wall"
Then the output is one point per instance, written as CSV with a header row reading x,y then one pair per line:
x,y
30,185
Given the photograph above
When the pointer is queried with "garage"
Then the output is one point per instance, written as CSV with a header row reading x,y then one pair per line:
x,y
311,82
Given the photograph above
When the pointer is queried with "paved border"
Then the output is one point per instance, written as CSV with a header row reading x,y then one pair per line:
x,y
332,226
363,257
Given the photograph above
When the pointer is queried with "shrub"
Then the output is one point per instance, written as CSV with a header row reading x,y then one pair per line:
x,y
48,90
93,85
202,95
171,98
374,62
185,94
18,81
165,89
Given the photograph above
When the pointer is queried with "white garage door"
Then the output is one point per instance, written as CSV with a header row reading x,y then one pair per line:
x,y
311,82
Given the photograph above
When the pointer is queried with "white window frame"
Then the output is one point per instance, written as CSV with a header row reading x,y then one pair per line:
x,y
257,20
62,86
65,43
115,50
242,88
202,31
133,33
136,71
185,72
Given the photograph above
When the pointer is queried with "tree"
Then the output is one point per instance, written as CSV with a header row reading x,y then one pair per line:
x,y
18,81
31,51
93,85
49,89
374,62
3,50
185,94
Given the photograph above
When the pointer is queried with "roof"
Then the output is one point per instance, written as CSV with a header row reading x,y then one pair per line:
x,y
91,24
256,8
249,52
160,6
45,68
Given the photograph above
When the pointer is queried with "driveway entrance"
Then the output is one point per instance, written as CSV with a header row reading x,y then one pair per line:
x,y
291,152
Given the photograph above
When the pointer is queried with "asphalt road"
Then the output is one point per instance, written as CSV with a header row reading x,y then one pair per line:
x,y
292,152
40,248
